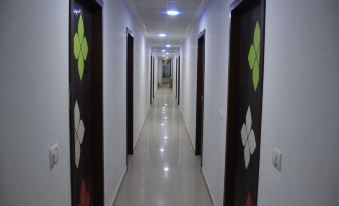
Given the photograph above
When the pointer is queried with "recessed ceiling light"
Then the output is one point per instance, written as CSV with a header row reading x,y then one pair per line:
x,y
168,45
162,35
163,50
172,12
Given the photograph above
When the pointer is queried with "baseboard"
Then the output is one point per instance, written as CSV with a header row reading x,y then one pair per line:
x,y
119,186
208,187
188,132
142,128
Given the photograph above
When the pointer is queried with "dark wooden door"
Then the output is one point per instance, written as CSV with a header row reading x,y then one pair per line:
x,y
151,81
153,77
244,102
176,78
178,84
129,90
86,116
200,94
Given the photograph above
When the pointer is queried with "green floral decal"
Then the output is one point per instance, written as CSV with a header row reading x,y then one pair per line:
x,y
80,47
254,56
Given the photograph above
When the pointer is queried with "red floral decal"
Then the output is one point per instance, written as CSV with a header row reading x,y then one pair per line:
x,y
85,198
249,200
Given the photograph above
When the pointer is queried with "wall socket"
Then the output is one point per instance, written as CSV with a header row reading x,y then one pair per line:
x,y
53,155
277,159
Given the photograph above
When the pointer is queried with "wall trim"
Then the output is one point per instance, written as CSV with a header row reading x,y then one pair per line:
x,y
208,187
189,134
123,177
142,128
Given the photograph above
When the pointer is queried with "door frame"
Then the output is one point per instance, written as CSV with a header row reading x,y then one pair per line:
x,y
95,7
236,8
129,92
200,94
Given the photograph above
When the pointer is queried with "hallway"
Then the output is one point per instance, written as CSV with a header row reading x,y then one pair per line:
x,y
164,170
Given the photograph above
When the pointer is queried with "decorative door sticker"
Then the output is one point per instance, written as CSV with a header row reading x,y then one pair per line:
x,y
254,56
249,200
80,47
248,138
85,197
79,131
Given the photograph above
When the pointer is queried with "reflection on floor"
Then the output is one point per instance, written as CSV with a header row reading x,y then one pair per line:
x,y
164,170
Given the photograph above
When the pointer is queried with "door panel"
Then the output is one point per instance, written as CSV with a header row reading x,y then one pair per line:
x,y
200,95
129,94
86,103
245,103
178,84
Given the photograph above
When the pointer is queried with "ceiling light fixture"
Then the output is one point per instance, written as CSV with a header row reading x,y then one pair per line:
x,y
163,50
168,45
162,35
172,12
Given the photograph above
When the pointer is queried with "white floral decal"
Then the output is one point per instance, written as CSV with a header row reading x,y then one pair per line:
x,y
248,137
79,131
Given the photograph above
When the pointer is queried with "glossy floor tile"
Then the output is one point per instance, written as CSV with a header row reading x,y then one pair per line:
x,y
164,170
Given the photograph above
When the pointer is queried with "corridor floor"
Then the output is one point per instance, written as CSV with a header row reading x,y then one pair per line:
x,y
164,170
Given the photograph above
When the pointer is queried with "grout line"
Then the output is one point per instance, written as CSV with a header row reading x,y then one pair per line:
x,y
119,186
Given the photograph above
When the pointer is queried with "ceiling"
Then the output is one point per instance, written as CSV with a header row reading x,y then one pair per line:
x,y
151,14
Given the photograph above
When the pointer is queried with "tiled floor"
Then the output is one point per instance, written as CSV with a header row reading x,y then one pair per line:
x,y
164,170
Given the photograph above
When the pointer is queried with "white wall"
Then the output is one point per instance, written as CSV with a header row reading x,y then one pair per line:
x,y
300,103
159,71
156,73
174,73
35,98
216,23
116,17
188,78
142,66
34,94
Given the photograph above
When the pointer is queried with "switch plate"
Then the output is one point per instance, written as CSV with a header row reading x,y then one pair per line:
x,y
53,155
277,159
221,114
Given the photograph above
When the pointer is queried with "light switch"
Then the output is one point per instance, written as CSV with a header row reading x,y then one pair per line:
x,y
277,159
221,114
53,155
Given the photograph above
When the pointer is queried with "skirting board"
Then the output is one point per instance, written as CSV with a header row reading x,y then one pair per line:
x,y
119,186
208,187
189,135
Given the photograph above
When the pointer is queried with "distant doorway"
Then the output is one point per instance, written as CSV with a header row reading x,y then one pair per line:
x,y
200,95
166,80
86,103
245,90
129,91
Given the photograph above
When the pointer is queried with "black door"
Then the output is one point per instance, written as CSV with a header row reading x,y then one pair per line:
x,y
244,102
86,119
200,94
129,92
178,83
151,81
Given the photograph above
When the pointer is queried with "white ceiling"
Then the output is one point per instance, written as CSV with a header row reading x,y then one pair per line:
x,y
152,15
